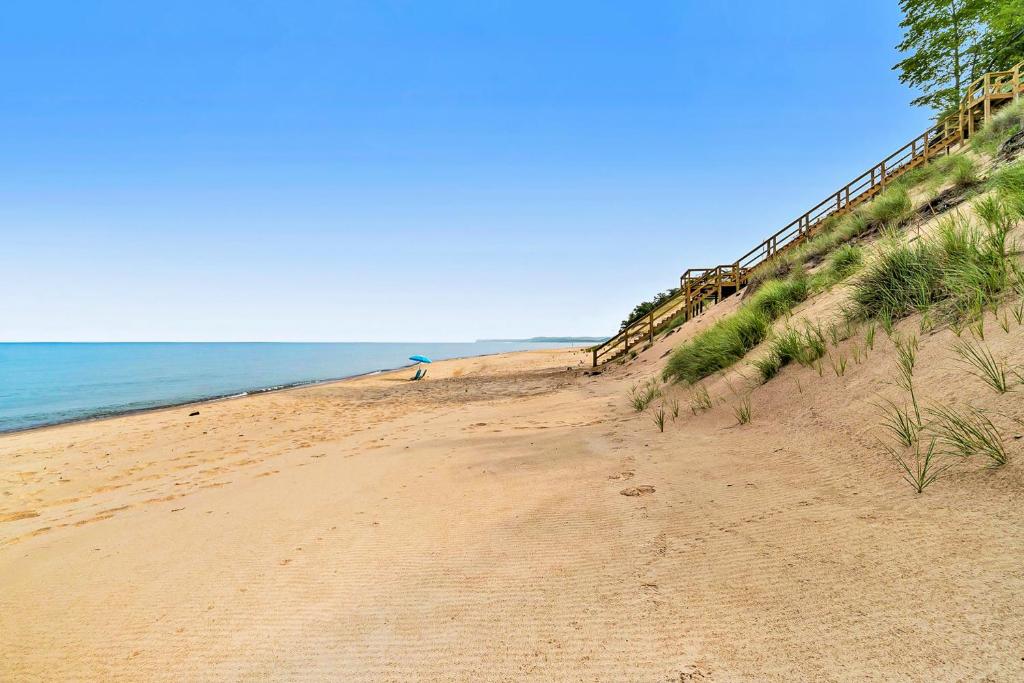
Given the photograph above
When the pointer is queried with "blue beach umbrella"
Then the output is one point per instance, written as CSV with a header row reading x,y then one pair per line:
x,y
420,372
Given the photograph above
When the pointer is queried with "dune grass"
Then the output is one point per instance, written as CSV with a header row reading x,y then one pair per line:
x,y
922,471
982,364
899,422
659,417
728,340
956,273
892,207
1008,183
641,395
672,403
967,432
801,346
1003,125
700,399
742,410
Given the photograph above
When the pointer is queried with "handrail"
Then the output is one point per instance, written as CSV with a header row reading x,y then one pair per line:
x,y
697,285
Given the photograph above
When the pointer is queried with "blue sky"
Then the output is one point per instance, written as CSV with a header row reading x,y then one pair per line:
x,y
413,171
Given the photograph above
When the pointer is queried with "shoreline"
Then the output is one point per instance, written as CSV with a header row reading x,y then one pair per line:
x,y
220,398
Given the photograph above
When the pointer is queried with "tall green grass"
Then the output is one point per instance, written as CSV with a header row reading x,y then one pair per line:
x,y
729,339
1008,182
954,274
1006,122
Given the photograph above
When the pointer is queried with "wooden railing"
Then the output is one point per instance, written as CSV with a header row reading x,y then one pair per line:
x,y
700,286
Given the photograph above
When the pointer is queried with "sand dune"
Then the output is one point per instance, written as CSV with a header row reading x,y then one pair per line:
x,y
474,527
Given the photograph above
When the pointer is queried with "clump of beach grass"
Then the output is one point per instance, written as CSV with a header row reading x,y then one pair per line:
x,y
898,421
958,272
982,364
672,403
791,345
1001,127
846,260
700,399
967,432
1008,183
961,170
742,410
659,417
892,207
641,395
728,340
921,471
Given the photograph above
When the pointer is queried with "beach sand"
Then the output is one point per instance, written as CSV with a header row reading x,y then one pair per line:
x,y
507,519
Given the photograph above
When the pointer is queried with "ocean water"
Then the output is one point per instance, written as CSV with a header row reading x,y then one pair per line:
x,y
44,384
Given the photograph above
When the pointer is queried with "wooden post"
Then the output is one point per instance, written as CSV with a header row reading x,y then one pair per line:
x,y
926,145
650,327
595,357
882,165
987,106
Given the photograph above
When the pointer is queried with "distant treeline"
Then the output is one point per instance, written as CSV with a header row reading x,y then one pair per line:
x,y
646,307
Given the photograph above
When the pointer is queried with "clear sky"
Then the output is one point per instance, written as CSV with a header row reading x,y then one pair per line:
x,y
413,171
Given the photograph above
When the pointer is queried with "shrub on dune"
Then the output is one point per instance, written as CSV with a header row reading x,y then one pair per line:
x,y
729,339
1007,121
960,270
892,207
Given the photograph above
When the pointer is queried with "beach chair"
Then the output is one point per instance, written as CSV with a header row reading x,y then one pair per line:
x,y
420,374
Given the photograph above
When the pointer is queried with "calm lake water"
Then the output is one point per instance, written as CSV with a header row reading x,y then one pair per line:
x,y
43,384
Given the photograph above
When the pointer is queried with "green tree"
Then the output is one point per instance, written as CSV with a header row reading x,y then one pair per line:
x,y
1005,19
946,46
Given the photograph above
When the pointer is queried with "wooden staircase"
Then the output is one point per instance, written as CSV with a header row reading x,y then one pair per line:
x,y
703,287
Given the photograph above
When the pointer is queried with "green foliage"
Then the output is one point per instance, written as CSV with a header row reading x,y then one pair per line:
x,y
968,432
959,271
642,309
980,361
700,399
1008,182
892,208
641,395
804,347
729,339
1005,36
768,366
742,410
961,170
845,260
659,417
944,44
900,423
1004,124
922,471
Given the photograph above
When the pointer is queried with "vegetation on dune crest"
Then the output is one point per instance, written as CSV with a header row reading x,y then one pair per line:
x,y
729,339
955,274
1004,124
948,44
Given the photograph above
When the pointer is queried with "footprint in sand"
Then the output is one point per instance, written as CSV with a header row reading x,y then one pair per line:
x,y
637,490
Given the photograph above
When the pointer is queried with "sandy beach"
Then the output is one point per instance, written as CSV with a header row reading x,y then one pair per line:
x,y
510,518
